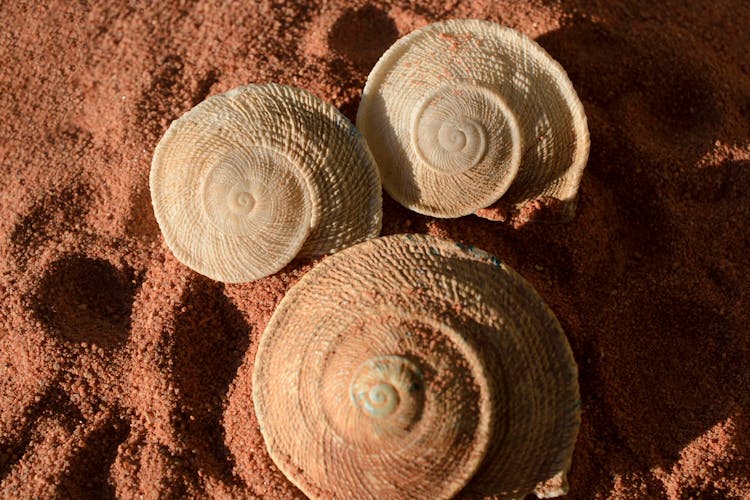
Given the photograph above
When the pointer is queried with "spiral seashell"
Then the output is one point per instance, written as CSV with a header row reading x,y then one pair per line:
x,y
248,179
409,366
461,113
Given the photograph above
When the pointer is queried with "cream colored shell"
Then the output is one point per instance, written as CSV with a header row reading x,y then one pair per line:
x,y
460,113
248,179
412,367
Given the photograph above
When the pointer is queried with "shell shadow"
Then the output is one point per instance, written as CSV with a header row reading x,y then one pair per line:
x,y
141,221
660,101
398,219
356,40
659,334
210,341
360,36
668,363
83,299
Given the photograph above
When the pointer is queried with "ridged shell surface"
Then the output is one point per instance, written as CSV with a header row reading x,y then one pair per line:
x,y
461,113
249,179
412,367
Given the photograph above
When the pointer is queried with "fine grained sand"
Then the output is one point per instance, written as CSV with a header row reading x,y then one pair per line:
x,y
124,373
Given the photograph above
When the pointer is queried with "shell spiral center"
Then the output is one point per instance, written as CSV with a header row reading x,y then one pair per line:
x,y
389,390
380,400
449,127
254,190
240,200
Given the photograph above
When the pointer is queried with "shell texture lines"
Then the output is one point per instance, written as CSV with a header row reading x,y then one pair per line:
x,y
413,367
461,113
249,179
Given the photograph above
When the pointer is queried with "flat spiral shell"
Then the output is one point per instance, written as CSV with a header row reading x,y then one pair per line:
x,y
409,366
461,113
248,179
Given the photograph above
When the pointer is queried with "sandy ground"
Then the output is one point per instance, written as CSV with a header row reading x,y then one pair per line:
x,y
124,373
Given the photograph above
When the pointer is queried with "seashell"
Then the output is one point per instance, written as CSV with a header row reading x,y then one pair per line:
x,y
461,113
409,366
247,180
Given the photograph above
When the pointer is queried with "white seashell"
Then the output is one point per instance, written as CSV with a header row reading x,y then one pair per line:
x,y
462,112
248,179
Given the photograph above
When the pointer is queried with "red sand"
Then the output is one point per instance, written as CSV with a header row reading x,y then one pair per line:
x,y
123,372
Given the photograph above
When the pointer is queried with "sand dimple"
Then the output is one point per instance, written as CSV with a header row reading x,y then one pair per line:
x,y
362,35
82,299
343,44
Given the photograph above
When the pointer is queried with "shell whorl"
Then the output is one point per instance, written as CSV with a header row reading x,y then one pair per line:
x,y
415,366
461,113
239,201
249,179
374,412
459,126
389,390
